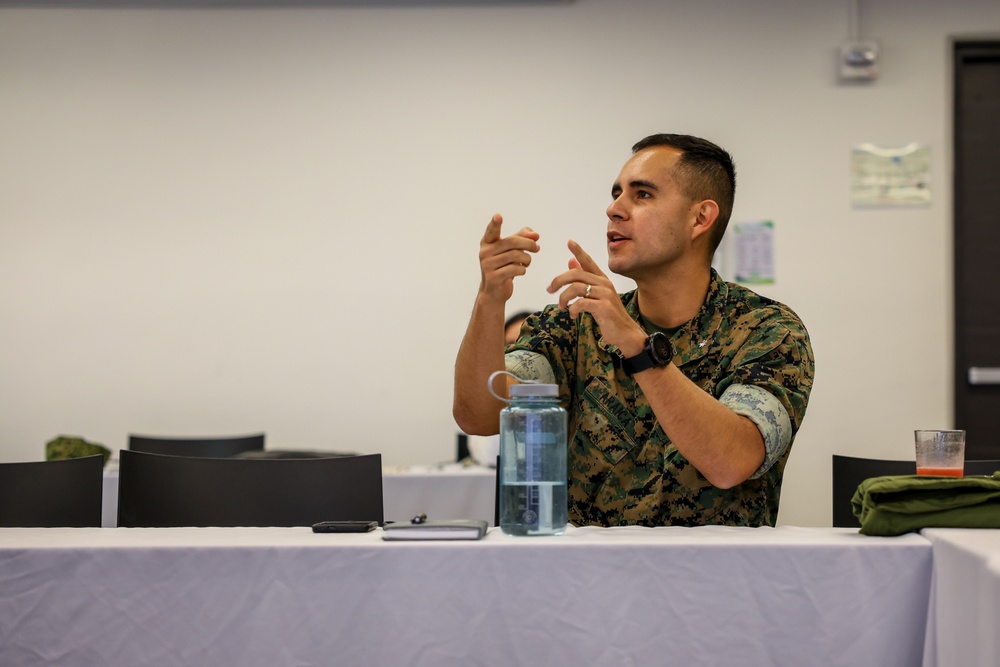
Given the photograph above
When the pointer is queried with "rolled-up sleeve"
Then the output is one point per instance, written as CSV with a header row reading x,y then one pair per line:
x,y
528,365
769,415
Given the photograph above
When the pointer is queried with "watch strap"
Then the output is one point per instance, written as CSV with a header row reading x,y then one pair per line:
x,y
640,362
648,357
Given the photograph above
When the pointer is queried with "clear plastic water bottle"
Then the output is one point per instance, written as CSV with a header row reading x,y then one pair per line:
x,y
532,460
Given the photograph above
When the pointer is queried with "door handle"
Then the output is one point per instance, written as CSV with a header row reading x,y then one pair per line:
x,y
979,375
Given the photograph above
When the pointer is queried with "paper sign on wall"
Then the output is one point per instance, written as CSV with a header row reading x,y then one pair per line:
x,y
754,252
884,177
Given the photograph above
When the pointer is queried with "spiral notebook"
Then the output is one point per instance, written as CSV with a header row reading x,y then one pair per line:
x,y
452,529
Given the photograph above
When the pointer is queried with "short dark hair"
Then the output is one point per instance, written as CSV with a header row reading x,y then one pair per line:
x,y
516,317
704,171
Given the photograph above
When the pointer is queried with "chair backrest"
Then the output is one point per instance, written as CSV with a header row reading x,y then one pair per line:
x,y
850,471
223,447
52,494
156,490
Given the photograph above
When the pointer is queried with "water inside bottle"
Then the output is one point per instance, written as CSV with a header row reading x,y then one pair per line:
x,y
533,508
533,470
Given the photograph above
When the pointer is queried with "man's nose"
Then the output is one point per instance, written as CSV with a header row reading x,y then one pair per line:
x,y
617,209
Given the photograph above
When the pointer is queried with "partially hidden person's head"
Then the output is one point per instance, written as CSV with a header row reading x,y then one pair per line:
x,y
512,327
703,171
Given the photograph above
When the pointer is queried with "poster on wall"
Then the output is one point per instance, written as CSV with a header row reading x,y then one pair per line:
x,y
888,177
753,249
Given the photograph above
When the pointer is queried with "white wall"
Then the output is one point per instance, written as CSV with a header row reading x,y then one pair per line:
x,y
229,220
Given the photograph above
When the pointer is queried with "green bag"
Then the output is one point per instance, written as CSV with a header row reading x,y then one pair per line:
x,y
71,447
898,504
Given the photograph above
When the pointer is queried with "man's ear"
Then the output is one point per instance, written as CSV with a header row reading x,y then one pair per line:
x,y
706,213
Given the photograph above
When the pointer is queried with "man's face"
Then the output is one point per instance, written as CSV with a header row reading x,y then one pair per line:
x,y
650,221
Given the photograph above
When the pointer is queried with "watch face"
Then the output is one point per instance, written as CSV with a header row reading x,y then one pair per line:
x,y
661,347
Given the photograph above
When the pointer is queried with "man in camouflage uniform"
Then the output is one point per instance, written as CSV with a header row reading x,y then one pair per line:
x,y
691,433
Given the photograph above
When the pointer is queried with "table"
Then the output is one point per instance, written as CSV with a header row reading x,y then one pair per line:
x,y
614,596
445,491
964,621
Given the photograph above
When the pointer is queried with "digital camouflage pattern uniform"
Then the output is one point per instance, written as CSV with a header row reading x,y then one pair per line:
x,y
623,469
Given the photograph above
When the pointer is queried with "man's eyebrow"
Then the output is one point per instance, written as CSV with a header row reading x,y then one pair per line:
x,y
644,185
635,185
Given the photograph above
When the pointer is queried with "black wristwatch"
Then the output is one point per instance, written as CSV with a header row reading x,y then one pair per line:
x,y
657,353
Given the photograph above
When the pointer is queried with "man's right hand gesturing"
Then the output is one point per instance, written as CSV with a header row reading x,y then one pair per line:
x,y
501,259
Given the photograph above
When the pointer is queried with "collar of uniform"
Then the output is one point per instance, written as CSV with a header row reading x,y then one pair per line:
x,y
694,340
696,337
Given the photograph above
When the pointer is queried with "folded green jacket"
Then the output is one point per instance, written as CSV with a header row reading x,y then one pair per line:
x,y
897,504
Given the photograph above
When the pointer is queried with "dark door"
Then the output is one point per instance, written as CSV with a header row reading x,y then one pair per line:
x,y
977,246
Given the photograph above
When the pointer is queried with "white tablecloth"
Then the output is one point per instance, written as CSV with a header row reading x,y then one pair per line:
x,y
964,623
621,596
450,491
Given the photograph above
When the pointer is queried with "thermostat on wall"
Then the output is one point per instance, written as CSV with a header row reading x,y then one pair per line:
x,y
859,61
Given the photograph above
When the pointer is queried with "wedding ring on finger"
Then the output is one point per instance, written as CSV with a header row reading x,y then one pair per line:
x,y
586,295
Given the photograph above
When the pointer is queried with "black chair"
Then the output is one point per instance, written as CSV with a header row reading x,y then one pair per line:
x,y
292,454
462,448
211,447
156,490
850,471
52,494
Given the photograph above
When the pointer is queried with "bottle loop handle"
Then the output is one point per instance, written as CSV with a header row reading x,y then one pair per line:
x,y
489,384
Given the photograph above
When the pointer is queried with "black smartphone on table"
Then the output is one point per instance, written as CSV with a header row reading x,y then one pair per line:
x,y
344,526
